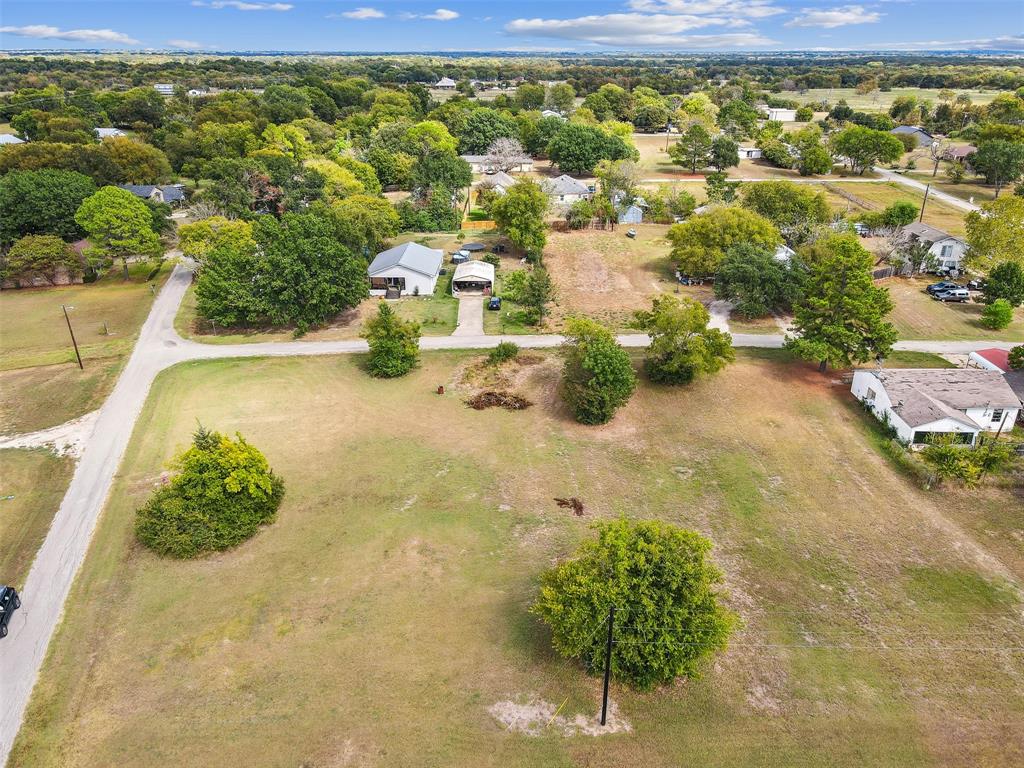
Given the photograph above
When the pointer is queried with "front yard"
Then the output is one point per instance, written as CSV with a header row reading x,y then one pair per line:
x,y
917,315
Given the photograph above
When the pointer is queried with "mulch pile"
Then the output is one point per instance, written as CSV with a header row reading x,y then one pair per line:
x,y
492,399
571,503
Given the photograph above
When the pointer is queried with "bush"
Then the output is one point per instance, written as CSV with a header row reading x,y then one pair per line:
x,y
506,350
394,344
952,460
493,259
997,315
513,283
1016,358
668,618
223,492
599,376
955,173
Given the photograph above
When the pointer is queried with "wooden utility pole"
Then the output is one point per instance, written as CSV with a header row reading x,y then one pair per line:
x,y
927,189
607,665
71,331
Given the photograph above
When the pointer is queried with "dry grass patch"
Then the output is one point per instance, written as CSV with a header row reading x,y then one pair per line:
x,y
878,196
918,316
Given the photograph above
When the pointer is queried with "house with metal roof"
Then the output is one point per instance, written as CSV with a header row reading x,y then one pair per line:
x,y
500,182
409,269
924,139
109,133
10,138
921,403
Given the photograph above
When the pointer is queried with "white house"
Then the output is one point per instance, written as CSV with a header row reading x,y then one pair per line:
x,y
566,190
473,277
920,403
164,89
749,153
948,250
109,133
777,113
445,83
552,113
483,164
409,269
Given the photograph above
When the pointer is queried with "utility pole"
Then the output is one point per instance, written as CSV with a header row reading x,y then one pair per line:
x,y
927,189
607,665
77,353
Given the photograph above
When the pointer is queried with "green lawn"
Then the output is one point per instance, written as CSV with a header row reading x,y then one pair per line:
x,y
32,484
385,611
881,101
40,382
917,315
878,196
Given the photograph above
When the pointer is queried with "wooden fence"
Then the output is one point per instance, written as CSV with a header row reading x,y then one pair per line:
x,y
474,225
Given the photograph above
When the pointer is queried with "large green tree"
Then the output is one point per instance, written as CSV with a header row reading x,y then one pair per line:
x,y
789,206
865,147
482,127
118,225
693,150
840,318
598,377
1000,162
668,616
394,343
578,148
699,243
995,234
42,202
682,347
519,214
755,281
1005,281
41,256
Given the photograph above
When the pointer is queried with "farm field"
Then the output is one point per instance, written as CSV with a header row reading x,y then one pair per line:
x,y
881,101
917,315
384,613
40,382
32,483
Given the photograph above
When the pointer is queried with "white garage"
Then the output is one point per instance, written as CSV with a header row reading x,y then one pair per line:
x,y
409,269
473,277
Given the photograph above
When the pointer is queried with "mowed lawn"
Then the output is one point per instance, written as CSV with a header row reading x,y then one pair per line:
x,y
917,315
40,382
880,101
876,197
32,484
386,609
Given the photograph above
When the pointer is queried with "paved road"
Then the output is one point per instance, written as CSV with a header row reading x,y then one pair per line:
x,y
159,347
938,194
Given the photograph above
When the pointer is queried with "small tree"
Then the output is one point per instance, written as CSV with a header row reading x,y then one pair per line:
x,y
223,491
598,374
506,350
41,256
682,346
536,292
755,281
952,460
900,213
1005,281
394,343
1016,358
997,315
669,619
693,149
725,153
119,226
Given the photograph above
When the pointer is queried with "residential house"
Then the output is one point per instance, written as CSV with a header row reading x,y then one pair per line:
x,y
445,84
947,250
959,154
10,138
172,194
409,269
565,190
552,113
472,278
924,139
783,115
922,403
749,153
483,164
500,182
109,133
164,89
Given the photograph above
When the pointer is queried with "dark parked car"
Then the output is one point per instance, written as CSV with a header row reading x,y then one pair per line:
x,y
494,302
9,603
945,285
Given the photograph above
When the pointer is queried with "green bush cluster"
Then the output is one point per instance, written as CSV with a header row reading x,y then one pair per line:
x,y
506,350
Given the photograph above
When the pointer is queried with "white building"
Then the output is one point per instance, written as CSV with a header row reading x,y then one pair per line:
x,y
777,113
947,250
109,133
784,254
473,277
749,153
409,269
164,89
565,190
500,182
552,113
10,138
923,402
445,83
484,164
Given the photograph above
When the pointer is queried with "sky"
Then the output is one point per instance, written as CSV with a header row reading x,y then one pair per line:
x,y
524,25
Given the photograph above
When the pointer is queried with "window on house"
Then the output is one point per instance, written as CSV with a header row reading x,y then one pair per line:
x,y
997,415
870,396
947,250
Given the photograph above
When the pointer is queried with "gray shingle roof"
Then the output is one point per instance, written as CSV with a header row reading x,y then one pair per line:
x,y
566,185
927,232
923,395
171,193
412,256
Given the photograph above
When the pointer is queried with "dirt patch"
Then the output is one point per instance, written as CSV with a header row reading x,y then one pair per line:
x,y
510,401
571,503
537,716
66,439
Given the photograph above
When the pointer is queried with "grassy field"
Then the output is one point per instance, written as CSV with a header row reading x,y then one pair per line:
x,y
918,316
32,484
880,195
385,611
881,101
40,382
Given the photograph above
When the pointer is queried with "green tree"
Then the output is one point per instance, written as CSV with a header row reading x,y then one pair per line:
x,y
900,213
561,97
198,239
530,96
1016,358
536,293
995,234
682,346
362,223
997,315
725,153
394,343
441,168
788,205
719,189
1000,162
135,162
598,377
41,256
482,127
1005,281
519,214
668,620
118,225
577,148
699,243
840,318
952,460
42,202
865,147
755,281
284,103
693,149
222,493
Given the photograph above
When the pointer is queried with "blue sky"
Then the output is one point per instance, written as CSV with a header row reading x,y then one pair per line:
x,y
525,25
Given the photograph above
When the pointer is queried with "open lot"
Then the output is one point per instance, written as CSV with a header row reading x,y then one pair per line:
x,y
877,196
384,612
882,100
918,316
40,382
32,484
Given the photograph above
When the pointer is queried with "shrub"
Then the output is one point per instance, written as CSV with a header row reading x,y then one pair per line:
x,y
599,376
493,259
394,344
952,460
223,492
668,618
506,350
513,283
955,173
682,346
1017,357
997,315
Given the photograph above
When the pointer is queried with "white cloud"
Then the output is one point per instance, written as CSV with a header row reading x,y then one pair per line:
x,y
442,14
754,9
45,31
834,17
363,13
1006,43
638,30
186,45
241,5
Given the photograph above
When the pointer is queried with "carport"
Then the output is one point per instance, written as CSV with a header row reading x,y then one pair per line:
x,y
473,278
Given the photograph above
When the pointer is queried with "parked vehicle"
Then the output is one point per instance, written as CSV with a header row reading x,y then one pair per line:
x,y
9,603
631,233
975,285
945,285
957,294
861,228
494,302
